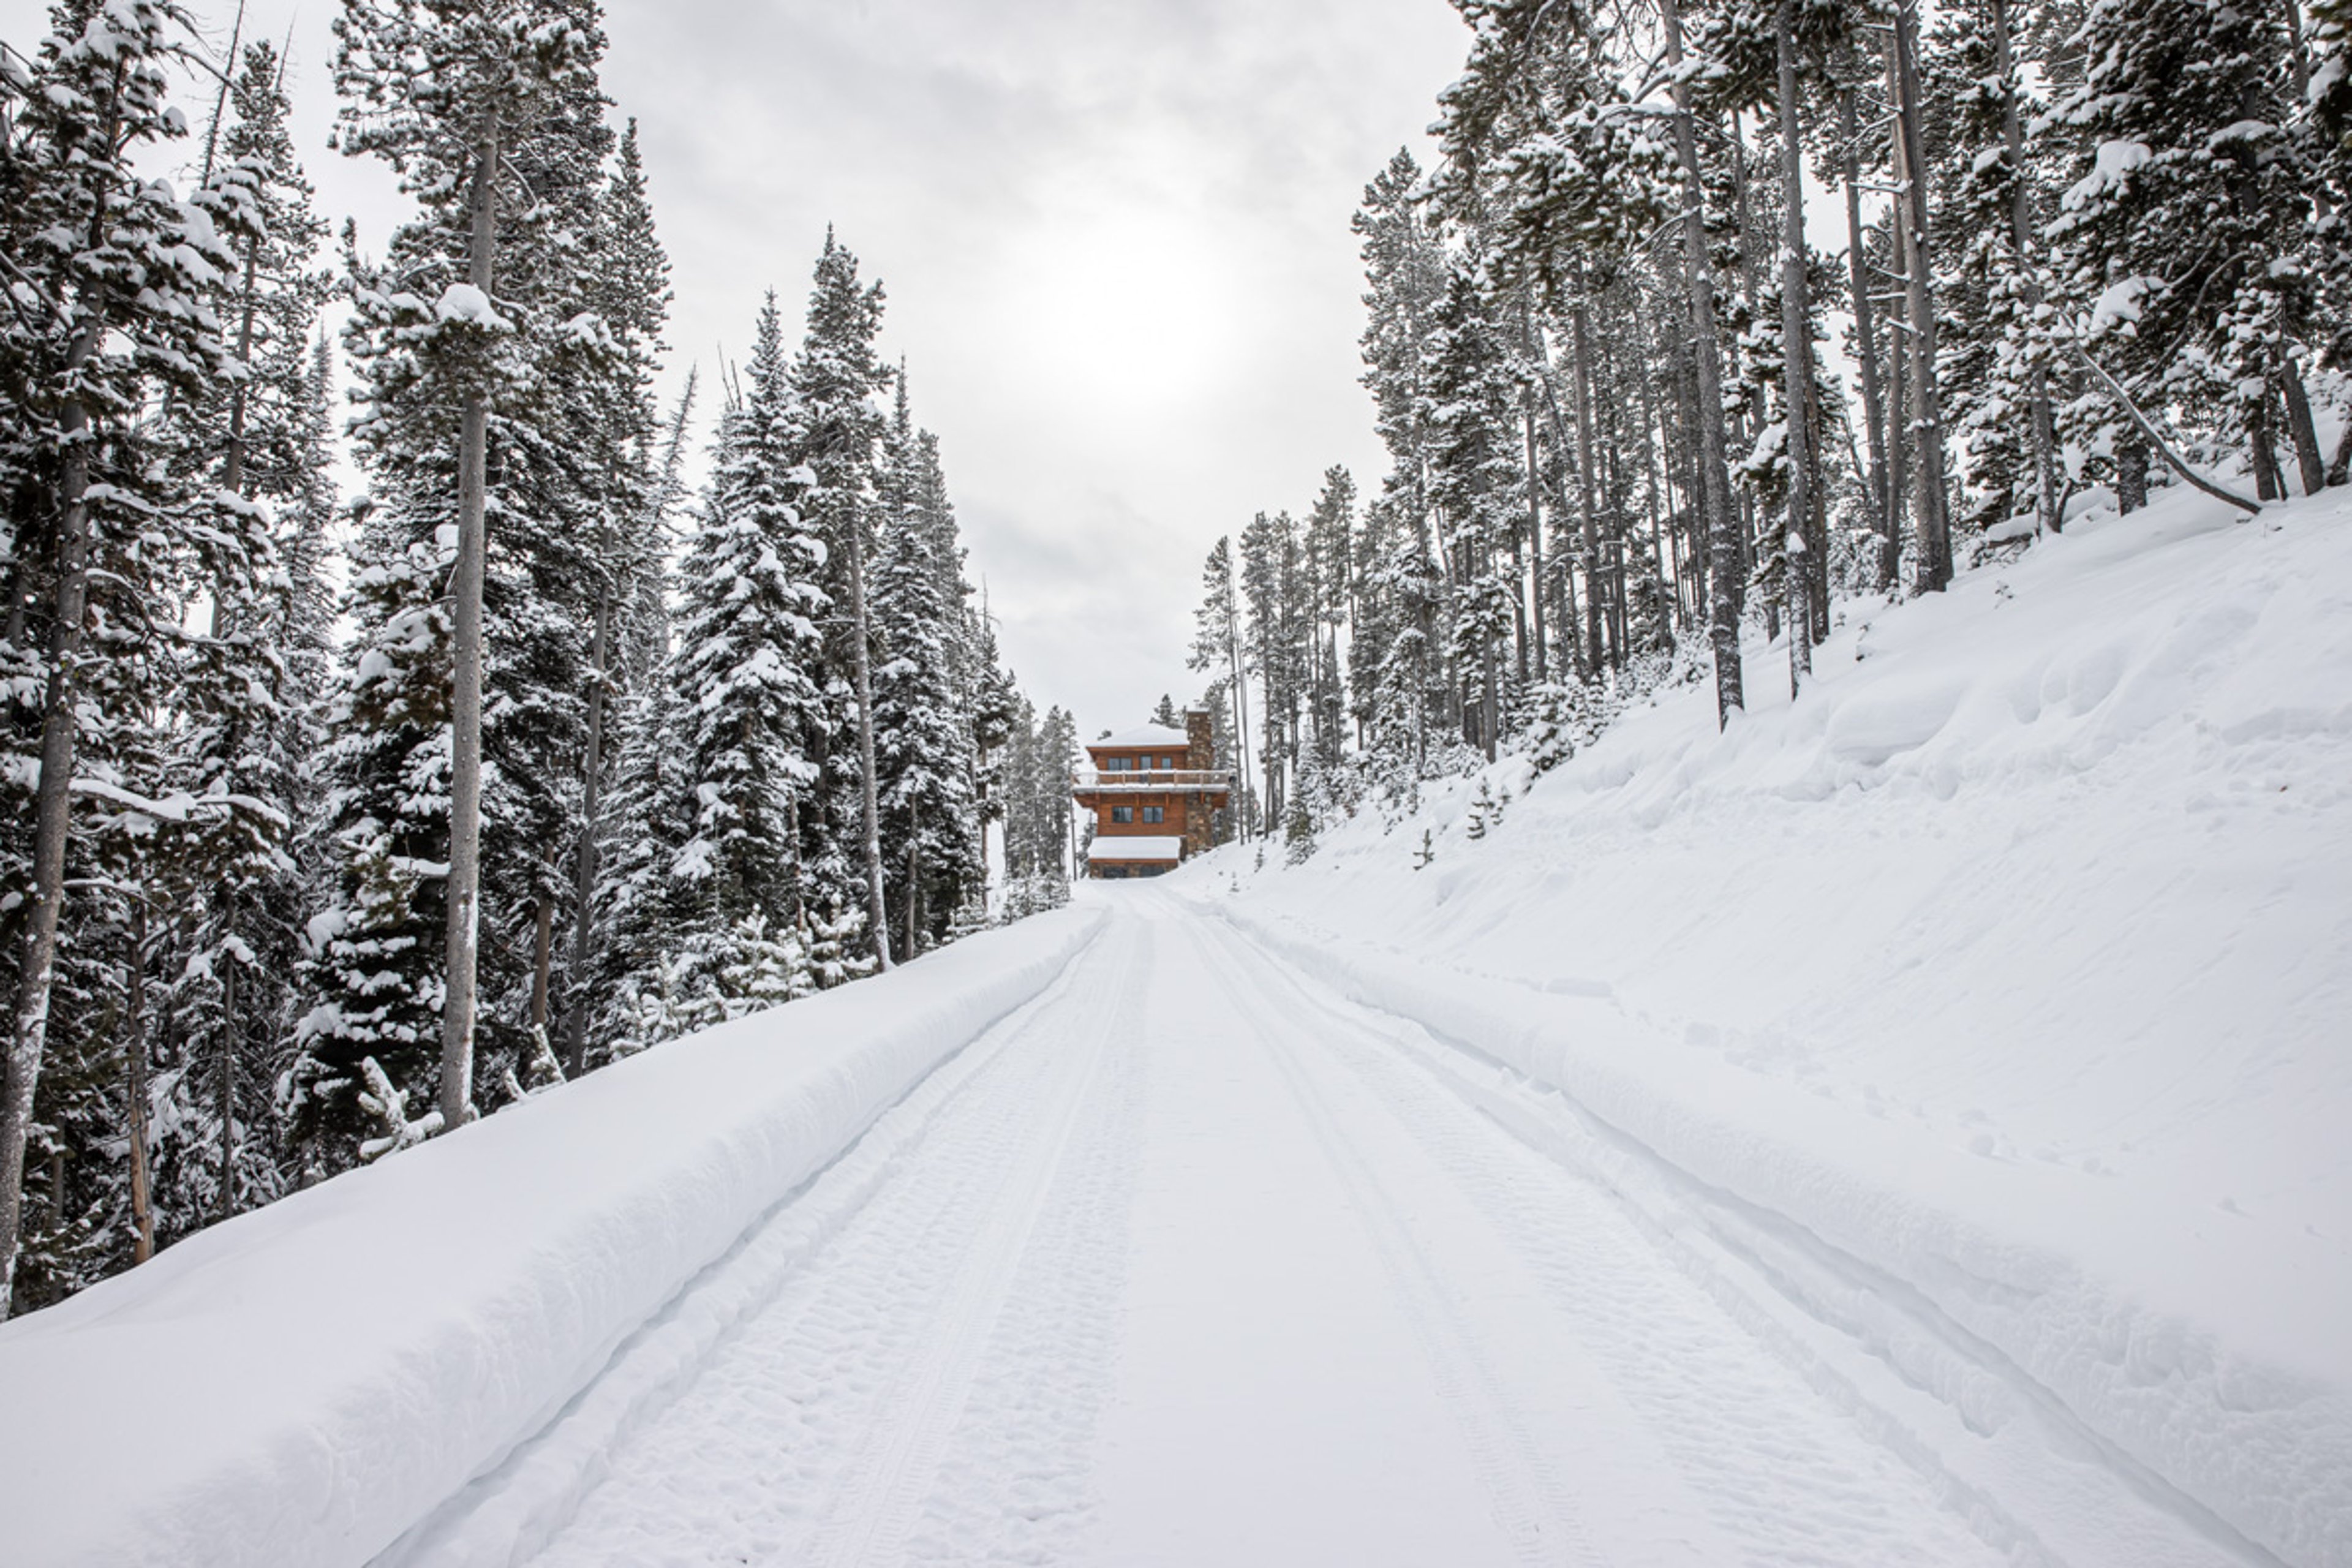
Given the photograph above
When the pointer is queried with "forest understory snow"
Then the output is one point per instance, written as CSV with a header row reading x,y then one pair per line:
x,y
2007,973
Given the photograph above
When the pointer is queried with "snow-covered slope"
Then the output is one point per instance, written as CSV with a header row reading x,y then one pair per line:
x,y
303,1383
2007,976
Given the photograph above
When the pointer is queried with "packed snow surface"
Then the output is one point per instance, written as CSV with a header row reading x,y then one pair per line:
x,y
1907,1129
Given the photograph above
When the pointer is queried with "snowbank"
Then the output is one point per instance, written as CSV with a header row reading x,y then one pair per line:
x,y
303,1383
2013,965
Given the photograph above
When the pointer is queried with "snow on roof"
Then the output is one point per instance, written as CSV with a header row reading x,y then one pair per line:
x,y
1142,735
1137,847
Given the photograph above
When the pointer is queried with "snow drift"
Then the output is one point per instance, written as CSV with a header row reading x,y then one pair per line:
x,y
306,1381
2008,970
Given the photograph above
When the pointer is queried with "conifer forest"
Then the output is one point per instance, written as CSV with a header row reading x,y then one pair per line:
x,y
334,819
1728,940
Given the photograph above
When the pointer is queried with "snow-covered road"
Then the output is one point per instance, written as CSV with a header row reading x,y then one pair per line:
x,y
1190,1262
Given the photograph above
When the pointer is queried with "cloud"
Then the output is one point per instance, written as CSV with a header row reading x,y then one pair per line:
x,y
1114,236
1115,240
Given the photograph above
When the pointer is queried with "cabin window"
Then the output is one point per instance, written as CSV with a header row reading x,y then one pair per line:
x,y
1155,813
1117,764
1122,813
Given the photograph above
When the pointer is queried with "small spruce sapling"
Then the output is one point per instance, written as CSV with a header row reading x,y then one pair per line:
x,y
1484,812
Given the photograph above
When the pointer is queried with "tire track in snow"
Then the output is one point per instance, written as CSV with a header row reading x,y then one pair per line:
x,y
876,1504
1788,1475
1539,1514
801,1402
515,1507
1814,1306
1019,1484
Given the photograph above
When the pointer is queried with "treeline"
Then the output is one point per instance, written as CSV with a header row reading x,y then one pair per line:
x,y
328,824
2088,243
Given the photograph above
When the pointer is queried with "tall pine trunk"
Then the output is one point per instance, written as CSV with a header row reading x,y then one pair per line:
x,y
134,1053
2268,483
1722,527
1587,521
2041,424
878,916
227,1196
584,873
2300,431
1535,543
51,820
464,884
1933,521
1865,338
1796,362
53,795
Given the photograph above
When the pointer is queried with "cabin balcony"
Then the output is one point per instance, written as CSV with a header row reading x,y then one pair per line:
x,y
1154,781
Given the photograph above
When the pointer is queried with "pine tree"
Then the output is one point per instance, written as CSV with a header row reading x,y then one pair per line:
x,y
2184,234
109,275
475,335
1474,489
256,449
923,743
632,296
835,439
748,644
490,115
1217,647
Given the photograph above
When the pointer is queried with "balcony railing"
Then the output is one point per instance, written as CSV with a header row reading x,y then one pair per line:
x,y
1137,781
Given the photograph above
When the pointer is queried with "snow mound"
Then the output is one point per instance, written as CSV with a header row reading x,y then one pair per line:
x,y
305,1382
2008,970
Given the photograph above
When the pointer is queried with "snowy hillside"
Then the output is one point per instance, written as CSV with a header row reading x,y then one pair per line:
x,y
1995,999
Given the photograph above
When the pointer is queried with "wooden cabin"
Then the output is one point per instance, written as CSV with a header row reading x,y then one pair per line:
x,y
1153,791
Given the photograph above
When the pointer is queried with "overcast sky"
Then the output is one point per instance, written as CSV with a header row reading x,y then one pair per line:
x,y
1114,235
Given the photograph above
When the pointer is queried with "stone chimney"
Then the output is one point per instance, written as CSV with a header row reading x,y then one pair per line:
x,y
1200,754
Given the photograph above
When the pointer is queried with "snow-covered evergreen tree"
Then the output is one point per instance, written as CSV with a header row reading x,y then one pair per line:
x,y
475,335
923,738
835,427
110,285
2183,239
749,635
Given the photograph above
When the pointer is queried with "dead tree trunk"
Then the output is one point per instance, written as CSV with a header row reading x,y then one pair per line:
x,y
542,962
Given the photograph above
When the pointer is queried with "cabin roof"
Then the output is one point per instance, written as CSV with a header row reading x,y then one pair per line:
x,y
1142,735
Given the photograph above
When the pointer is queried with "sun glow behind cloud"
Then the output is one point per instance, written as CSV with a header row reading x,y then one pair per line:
x,y
1115,240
